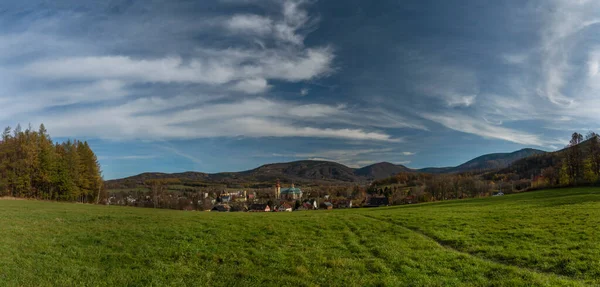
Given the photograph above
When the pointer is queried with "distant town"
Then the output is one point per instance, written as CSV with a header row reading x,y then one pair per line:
x,y
281,199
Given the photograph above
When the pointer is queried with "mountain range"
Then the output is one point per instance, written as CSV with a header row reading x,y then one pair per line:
x,y
312,171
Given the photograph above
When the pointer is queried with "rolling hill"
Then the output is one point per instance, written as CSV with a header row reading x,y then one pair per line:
x,y
532,166
312,171
381,170
491,161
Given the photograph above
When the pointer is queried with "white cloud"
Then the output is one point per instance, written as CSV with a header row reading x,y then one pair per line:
x,y
284,30
250,24
556,84
316,110
165,70
478,127
16,103
304,91
559,40
262,127
103,94
149,119
459,100
251,69
251,86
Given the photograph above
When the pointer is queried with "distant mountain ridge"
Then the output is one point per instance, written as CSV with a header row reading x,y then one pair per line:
x,y
487,162
312,171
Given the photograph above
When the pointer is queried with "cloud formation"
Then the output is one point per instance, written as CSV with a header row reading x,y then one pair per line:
x,y
175,118
286,74
101,93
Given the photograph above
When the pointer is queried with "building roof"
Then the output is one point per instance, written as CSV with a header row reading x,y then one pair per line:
x,y
308,205
291,190
285,205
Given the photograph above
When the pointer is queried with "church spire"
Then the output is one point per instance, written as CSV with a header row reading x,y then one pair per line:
x,y
277,189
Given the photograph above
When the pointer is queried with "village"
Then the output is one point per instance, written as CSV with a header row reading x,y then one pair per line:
x,y
274,199
287,200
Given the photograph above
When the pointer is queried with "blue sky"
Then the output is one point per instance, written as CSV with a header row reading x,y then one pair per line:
x,y
229,85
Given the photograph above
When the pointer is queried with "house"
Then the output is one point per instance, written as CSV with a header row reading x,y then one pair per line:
x,y
310,204
377,202
326,205
259,207
285,207
221,208
343,203
225,198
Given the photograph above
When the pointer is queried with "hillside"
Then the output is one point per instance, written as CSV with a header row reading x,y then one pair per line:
x,y
532,166
495,160
544,238
305,171
381,170
322,172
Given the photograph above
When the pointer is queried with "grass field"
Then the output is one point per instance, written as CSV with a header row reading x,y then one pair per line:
x,y
544,238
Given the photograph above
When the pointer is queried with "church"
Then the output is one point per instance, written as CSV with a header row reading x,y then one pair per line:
x,y
290,193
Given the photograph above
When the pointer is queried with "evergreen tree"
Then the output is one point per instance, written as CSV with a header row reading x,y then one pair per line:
x,y
47,161
32,166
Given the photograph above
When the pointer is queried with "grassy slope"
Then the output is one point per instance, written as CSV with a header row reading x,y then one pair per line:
x,y
542,238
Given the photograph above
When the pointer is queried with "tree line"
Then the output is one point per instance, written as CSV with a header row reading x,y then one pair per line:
x,y
580,165
33,166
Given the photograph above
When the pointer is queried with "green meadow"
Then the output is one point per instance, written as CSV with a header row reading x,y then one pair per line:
x,y
543,238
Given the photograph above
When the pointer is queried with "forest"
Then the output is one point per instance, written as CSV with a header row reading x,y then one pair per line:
x,y
578,164
33,166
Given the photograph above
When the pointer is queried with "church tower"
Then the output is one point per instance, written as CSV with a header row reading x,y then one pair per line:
x,y
278,189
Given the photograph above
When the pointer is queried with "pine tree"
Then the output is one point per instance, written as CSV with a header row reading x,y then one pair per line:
x,y
90,179
47,161
31,165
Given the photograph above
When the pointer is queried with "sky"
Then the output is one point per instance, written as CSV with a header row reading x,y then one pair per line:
x,y
229,85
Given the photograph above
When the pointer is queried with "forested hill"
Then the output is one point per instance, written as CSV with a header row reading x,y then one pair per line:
x,y
492,161
32,166
381,170
319,172
552,161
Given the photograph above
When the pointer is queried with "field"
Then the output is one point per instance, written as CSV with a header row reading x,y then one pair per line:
x,y
544,238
